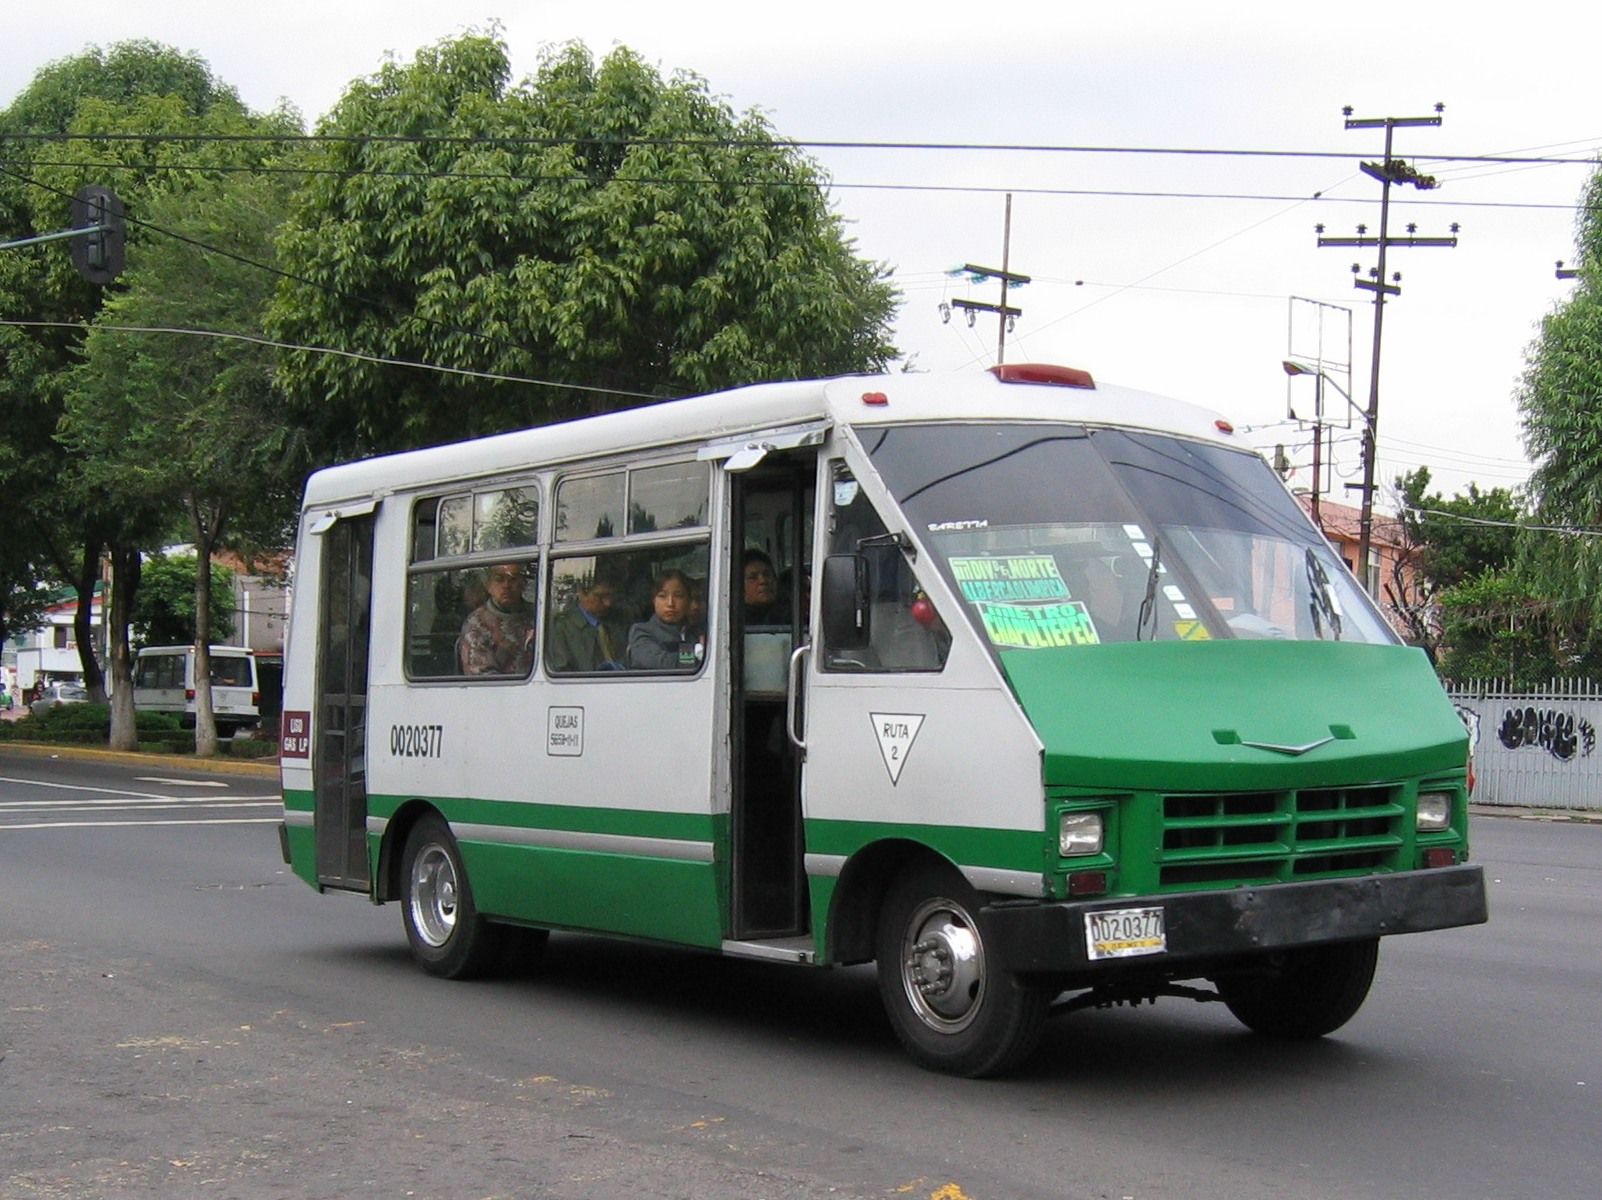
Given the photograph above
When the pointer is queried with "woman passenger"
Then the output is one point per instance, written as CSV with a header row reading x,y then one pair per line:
x,y
667,642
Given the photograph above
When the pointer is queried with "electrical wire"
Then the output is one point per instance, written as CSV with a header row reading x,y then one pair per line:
x,y
815,185
482,140
92,326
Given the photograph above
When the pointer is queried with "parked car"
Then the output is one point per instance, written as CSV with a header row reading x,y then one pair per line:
x,y
57,694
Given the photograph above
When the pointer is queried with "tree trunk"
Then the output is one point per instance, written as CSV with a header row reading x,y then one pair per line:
x,y
125,571
205,719
83,624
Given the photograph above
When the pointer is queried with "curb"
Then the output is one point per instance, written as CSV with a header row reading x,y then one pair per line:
x,y
261,768
1574,816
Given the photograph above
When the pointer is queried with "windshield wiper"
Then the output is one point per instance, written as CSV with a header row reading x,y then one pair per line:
x,y
1148,606
1321,602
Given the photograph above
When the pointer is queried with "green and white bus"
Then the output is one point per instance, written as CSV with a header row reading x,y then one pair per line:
x,y
1038,693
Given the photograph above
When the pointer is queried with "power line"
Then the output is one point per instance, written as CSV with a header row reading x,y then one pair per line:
x,y
482,140
92,326
1571,530
382,306
783,184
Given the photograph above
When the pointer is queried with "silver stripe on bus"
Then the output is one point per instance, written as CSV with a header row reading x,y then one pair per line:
x,y
984,879
1007,883
299,818
603,843
828,865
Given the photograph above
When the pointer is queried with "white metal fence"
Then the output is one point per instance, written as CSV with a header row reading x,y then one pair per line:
x,y
1534,748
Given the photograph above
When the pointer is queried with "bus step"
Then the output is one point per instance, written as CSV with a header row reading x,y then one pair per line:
x,y
789,949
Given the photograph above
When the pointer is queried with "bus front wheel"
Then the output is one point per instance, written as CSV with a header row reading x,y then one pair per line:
x,y
1307,993
951,1007
448,937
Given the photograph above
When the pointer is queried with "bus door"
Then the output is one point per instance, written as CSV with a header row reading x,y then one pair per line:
x,y
339,753
769,601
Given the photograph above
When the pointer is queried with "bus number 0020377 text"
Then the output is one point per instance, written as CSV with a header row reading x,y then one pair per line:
x,y
416,741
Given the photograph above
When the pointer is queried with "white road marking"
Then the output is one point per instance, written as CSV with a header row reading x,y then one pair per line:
x,y
216,783
80,787
122,824
140,801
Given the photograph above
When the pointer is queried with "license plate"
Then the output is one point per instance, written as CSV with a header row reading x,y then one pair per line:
x,y
1125,932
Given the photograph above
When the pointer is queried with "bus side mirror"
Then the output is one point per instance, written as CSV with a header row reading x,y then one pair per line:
x,y
845,603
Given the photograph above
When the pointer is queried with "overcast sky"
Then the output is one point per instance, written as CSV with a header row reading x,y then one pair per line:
x,y
1182,292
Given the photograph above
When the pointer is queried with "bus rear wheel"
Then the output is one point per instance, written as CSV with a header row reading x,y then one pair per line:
x,y
1307,993
952,1008
448,937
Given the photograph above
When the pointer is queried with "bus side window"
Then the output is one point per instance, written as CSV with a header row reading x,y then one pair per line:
x,y
905,633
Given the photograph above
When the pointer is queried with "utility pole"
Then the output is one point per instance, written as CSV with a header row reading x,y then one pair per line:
x,y
1388,171
1008,315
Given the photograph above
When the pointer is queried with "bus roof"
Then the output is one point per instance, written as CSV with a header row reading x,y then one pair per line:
x,y
720,416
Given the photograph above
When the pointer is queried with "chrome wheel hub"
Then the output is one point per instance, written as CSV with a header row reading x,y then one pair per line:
x,y
433,895
943,966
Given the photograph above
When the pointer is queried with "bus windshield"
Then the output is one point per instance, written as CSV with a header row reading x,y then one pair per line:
x,y
1057,535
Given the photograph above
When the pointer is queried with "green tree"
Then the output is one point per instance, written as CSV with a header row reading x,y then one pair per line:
x,y
1445,543
64,524
80,111
1496,626
1562,416
598,226
164,614
190,422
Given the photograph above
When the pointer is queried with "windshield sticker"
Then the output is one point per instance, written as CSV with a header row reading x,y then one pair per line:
x,y
1191,631
1009,579
896,733
1038,626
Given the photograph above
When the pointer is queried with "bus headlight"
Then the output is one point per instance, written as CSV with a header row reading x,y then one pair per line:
x,y
1434,811
1079,833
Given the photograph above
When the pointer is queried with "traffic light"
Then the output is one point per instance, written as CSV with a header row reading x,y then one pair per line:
x,y
98,255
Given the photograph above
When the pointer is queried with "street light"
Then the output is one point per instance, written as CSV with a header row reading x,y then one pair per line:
x,y
1294,367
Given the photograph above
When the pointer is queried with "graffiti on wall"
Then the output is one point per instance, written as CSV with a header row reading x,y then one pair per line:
x,y
1554,730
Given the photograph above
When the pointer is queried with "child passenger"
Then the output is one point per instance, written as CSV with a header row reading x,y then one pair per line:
x,y
668,641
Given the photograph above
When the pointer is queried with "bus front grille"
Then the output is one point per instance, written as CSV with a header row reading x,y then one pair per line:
x,y
1228,838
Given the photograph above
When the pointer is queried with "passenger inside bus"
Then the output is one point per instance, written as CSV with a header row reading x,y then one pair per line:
x,y
761,589
498,636
666,641
586,636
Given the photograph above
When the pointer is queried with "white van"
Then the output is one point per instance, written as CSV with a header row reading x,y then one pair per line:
x,y
164,681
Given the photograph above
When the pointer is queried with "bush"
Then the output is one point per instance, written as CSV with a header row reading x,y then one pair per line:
x,y
251,748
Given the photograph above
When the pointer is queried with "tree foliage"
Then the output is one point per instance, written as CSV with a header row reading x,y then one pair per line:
x,y
1561,404
187,420
96,112
164,614
596,226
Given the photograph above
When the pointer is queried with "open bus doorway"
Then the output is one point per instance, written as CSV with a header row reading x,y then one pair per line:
x,y
769,603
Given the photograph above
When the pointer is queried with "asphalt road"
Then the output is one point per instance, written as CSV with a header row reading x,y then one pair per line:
x,y
179,1016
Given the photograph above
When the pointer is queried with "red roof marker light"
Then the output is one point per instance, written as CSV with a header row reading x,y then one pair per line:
x,y
1047,373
